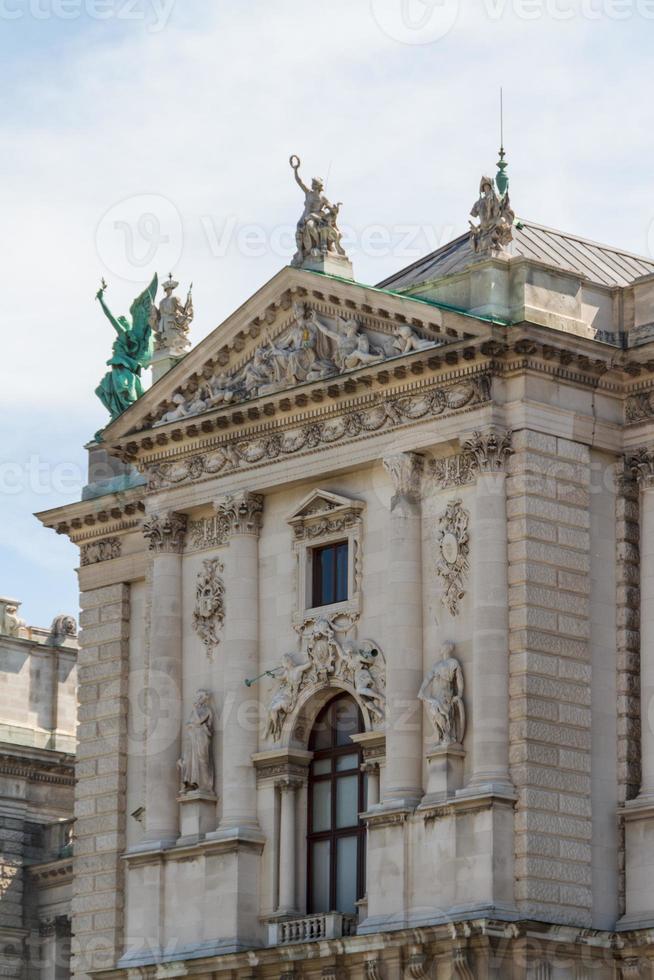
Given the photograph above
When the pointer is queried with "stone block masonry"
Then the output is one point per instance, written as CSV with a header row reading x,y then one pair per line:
x,y
628,649
101,771
548,493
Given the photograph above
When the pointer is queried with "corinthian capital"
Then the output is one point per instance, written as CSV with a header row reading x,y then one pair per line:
x,y
240,513
405,470
165,531
489,450
641,466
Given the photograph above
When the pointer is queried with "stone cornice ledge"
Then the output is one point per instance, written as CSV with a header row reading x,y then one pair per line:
x,y
638,809
468,802
245,839
387,815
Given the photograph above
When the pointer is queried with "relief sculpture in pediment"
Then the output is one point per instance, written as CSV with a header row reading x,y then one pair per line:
x,y
311,349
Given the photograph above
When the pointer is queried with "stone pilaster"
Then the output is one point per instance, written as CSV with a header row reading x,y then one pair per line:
x,y
628,647
549,600
101,771
490,617
165,533
241,518
639,812
404,630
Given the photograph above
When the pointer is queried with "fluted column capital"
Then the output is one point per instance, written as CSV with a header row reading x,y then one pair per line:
x,y
489,449
240,513
165,531
405,470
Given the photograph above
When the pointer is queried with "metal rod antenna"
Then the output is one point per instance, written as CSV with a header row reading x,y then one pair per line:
x,y
501,118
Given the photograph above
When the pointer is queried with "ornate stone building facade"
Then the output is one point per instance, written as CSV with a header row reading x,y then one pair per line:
x,y
365,651
37,756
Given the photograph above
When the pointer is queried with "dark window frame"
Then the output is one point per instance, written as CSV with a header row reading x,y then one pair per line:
x,y
357,830
317,585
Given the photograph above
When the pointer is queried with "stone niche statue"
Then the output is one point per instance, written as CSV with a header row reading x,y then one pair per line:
x,y
196,764
173,319
317,233
496,217
442,694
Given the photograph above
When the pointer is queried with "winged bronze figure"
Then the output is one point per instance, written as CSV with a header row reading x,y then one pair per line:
x,y
132,351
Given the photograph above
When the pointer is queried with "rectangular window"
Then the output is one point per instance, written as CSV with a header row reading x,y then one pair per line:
x,y
329,574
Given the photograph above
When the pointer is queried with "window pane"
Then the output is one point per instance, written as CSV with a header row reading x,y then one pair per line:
x,y
346,874
341,572
346,721
320,876
347,801
321,817
327,575
346,762
322,766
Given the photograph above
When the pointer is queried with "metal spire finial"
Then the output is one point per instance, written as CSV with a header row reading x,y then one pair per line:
x,y
502,179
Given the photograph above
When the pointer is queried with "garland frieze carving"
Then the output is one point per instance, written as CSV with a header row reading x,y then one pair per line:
x,y
389,413
639,407
103,550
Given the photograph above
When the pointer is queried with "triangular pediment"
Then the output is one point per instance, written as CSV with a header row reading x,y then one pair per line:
x,y
320,502
299,329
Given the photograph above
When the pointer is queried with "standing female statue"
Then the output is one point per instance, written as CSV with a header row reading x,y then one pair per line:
x,y
196,764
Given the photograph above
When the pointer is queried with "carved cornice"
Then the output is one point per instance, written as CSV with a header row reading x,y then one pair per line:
x,y
165,532
489,450
57,772
240,513
641,466
405,470
320,430
103,550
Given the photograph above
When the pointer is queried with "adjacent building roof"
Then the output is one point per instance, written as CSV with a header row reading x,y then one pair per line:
x,y
602,264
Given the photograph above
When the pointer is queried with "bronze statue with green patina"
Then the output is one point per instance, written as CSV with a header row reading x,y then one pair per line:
x,y
132,351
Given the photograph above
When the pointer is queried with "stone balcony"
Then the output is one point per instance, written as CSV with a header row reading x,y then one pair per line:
x,y
310,928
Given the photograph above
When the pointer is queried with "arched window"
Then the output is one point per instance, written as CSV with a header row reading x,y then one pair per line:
x,y
335,835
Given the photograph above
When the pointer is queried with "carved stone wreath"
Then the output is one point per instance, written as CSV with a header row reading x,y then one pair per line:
x,y
453,547
209,614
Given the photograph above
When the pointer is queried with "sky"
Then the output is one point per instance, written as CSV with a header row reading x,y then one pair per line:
x,y
154,135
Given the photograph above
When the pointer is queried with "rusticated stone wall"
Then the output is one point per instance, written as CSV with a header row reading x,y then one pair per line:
x,y
549,557
101,774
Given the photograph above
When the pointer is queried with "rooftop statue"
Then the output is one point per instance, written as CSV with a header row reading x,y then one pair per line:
x,y
317,231
173,319
132,351
496,217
